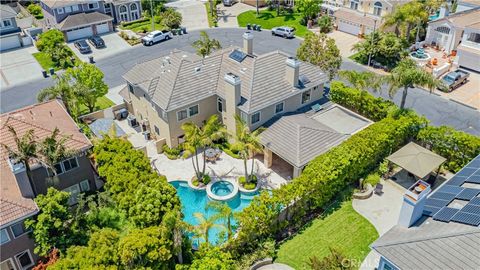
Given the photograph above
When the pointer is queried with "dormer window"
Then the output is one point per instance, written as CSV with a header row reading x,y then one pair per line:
x,y
474,37
60,10
7,23
75,8
68,9
354,4
377,9
92,5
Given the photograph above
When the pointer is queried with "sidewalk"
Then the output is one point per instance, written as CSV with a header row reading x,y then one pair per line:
x,y
227,16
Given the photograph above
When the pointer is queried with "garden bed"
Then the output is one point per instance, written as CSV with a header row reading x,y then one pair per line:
x,y
268,20
46,61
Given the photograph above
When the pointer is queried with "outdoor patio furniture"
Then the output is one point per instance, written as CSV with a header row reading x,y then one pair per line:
x,y
211,154
317,107
379,189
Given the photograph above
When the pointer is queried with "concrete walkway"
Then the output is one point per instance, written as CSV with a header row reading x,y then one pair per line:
x,y
227,16
194,14
276,266
383,212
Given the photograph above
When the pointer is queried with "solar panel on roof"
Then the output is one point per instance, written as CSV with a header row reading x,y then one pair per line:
x,y
475,163
456,181
237,55
303,79
474,179
430,210
443,196
470,208
466,172
467,194
436,202
445,214
475,201
466,218
450,189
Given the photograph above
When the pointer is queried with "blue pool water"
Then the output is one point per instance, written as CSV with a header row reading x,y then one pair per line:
x,y
196,201
222,188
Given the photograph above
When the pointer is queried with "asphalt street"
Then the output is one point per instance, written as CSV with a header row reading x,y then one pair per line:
x,y
438,110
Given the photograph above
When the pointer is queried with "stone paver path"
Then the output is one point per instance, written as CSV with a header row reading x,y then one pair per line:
x,y
383,212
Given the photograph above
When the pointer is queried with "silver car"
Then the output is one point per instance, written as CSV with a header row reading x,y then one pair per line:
x,y
283,31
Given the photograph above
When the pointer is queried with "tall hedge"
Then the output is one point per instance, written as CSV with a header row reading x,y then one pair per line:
x,y
362,102
144,195
324,177
456,146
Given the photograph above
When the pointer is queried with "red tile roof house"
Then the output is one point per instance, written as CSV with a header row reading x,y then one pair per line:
x,y
75,175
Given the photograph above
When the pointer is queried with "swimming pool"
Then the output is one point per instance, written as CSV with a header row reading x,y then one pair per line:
x,y
194,201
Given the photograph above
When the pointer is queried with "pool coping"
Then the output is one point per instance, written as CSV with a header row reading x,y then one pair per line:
x,y
222,198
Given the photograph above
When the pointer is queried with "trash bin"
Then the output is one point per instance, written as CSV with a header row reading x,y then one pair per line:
x,y
259,28
184,30
52,71
44,73
90,60
179,31
249,27
254,27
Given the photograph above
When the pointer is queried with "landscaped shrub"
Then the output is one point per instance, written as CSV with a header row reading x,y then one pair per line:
x,y
144,195
172,153
359,101
456,146
36,11
372,179
323,179
132,23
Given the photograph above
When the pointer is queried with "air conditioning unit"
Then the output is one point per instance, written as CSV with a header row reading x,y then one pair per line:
x,y
132,120
121,114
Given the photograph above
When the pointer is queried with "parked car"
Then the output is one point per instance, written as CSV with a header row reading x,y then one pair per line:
x,y
96,42
283,31
156,36
82,46
229,3
453,80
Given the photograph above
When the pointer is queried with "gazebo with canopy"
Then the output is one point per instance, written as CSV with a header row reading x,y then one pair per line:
x,y
417,160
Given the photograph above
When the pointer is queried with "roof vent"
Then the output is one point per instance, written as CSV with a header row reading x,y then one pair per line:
x,y
197,69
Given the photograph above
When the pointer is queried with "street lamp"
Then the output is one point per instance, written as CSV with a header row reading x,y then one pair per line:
x,y
371,42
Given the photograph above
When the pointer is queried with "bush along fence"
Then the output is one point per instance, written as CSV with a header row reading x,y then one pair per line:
x,y
322,180
456,146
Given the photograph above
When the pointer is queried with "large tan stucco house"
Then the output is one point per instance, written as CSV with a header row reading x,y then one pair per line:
x,y
167,92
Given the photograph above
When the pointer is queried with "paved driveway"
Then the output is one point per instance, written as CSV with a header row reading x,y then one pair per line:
x,y
114,45
194,14
227,16
468,94
344,42
18,67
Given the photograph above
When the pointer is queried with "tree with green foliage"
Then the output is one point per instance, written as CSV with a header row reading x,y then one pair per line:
x,y
361,79
50,40
405,17
308,8
61,55
320,50
61,89
223,212
35,10
208,258
205,46
335,261
171,18
385,48
325,24
248,143
88,84
205,224
52,227
407,75
25,149
52,149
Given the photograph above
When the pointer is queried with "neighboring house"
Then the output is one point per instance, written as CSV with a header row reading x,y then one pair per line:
x,y
358,17
463,5
10,33
461,28
438,230
80,18
167,92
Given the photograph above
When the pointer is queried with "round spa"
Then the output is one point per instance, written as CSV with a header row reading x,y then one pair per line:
x,y
222,190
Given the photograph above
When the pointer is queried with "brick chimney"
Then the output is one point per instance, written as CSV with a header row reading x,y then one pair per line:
x,y
248,43
292,70
232,99
20,173
413,203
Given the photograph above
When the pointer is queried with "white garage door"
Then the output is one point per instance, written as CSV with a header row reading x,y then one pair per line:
x,y
349,27
9,43
468,59
79,33
102,28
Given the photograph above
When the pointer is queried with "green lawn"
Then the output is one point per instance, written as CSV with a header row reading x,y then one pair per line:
x,y
268,20
344,229
142,26
46,62
102,103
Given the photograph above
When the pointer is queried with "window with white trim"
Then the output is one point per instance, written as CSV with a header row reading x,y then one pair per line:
x,y
74,191
7,23
219,105
92,5
255,118
157,130
181,115
306,96
60,10
4,237
354,4
84,186
66,165
18,229
243,116
279,107
24,259
193,111
75,8
7,264
377,8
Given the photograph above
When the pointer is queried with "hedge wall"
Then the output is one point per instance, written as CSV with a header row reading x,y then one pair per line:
x,y
456,146
360,101
324,177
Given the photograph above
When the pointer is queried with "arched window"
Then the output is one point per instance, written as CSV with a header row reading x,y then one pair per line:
x,y
443,29
377,8
354,4
133,6
123,13
134,12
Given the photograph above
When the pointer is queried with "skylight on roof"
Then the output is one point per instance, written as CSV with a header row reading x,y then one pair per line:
x,y
237,55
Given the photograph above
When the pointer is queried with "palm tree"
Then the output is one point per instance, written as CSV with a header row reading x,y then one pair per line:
x,y
52,150
205,46
407,74
249,144
196,138
61,89
223,212
205,224
25,149
361,80
406,16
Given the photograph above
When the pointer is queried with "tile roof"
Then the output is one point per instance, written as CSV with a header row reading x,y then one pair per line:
x,y
7,11
355,16
182,78
80,19
462,19
63,3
